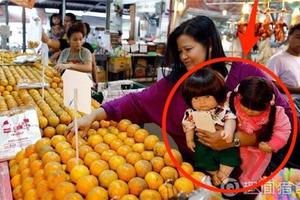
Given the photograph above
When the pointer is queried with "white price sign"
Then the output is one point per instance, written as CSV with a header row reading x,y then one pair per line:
x,y
18,129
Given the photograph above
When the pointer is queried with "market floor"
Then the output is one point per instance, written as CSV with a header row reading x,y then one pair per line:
x,y
156,130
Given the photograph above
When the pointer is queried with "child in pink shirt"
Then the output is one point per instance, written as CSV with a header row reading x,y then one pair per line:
x,y
254,106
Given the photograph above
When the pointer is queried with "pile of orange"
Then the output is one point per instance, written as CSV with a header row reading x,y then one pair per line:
x,y
117,161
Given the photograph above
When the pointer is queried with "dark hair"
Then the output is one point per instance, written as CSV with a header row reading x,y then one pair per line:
x,y
88,28
75,28
51,19
256,94
204,82
294,28
72,16
204,31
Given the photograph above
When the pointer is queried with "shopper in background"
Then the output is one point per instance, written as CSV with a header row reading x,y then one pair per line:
x,y
286,64
75,57
193,42
69,20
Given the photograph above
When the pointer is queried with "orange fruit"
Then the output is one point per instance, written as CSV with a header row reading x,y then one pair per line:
x,y
38,176
95,125
86,183
53,120
67,154
117,189
31,195
177,156
33,157
60,129
25,173
97,193
142,167
29,150
138,147
115,161
137,185
91,132
149,195
131,129
83,150
167,191
140,135
123,150
184,185
107,154
9,88
99,148
123,124
133,157
16,181
102,131
42,188
129,197
104,124
81,142
20,155
56,139
113,130
50,156
43,122
150,141
78,171
147,155
49,195
198,176
56,177
49,132
159,149
23,164
93,140
157,163
169,173
109,138
114,145
42,142
65,118
52,166
27,184
129,141
43,150
187,167
154,180
122,135
12,163
14,170
98,166
72,163
106,177
91,157
126,172
61,146
17,192
73,196
35,166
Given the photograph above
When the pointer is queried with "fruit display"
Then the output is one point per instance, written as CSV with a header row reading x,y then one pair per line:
x,y
116,161
7,57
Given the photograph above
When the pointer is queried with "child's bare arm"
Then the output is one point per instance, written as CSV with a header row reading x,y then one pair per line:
x,y
190,139
229,129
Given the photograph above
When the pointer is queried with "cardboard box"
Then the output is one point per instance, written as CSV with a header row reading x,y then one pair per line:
x,y
101,75
119,64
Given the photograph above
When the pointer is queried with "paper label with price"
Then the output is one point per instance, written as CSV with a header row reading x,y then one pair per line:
x,y
18,129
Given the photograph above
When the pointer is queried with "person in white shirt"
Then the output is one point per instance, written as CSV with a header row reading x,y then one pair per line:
x,y
286,64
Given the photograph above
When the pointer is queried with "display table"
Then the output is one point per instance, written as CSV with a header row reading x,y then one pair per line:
x,y
5,189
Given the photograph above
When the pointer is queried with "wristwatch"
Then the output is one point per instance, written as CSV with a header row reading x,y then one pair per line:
x,y
236,141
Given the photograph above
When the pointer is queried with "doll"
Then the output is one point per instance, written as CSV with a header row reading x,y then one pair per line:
x,y
205,91
254,104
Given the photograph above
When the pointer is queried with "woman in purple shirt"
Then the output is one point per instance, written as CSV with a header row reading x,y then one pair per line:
x,y
193,42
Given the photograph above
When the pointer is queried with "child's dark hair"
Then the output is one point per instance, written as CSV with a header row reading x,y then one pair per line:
x,y
76,28
256,94
202,83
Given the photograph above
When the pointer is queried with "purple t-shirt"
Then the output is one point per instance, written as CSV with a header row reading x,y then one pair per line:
x,y
147,106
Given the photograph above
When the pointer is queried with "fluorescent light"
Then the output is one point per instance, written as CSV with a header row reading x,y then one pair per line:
x,y
51,10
